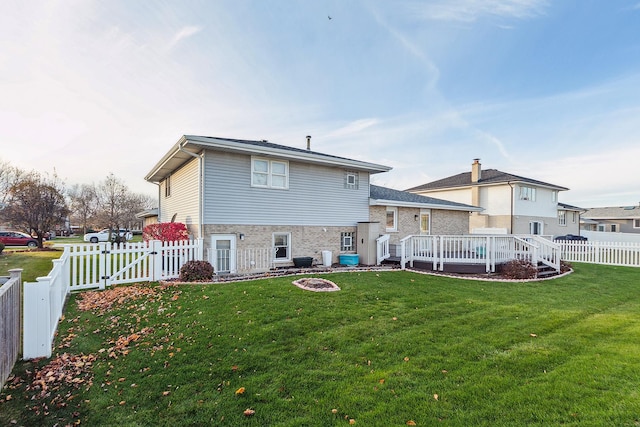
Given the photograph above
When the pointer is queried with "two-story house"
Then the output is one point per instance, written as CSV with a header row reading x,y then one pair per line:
x,y
512,204
293,202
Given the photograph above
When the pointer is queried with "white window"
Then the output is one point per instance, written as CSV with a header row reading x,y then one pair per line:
x,y
636,223
536,227
425,223
351,180
573,217
347,242
528,193
392,219
269,173
614,228
562,217
282,246
167,186
601,227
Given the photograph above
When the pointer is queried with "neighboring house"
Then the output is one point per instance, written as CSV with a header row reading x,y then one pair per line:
x,y
243,195
401,214
617,219
512,204
149,216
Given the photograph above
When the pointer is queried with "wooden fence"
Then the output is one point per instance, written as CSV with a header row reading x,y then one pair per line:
x,y
608,253
10,323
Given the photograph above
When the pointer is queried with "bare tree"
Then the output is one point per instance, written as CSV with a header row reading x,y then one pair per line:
x,y
84,204
118,205
36,204
9,175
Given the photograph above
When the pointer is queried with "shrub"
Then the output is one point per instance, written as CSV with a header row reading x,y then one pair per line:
x,y
194,271
165,231
519,269
1,247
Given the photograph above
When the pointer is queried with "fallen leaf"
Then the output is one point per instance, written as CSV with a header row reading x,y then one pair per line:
x,y
352,421
240,391
249,412
533,335
334,411
166,393
406,359
411,423
436,397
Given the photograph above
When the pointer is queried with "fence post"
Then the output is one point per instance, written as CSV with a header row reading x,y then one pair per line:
x,y
155,248
37,319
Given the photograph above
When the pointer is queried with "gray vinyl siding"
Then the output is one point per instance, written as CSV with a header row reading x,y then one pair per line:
x,y
316,195
184,198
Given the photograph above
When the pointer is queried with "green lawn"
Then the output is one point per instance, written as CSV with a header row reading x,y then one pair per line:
x,y
388,349
34,263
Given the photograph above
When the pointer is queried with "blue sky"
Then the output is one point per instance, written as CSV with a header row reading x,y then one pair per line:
x,y
548,90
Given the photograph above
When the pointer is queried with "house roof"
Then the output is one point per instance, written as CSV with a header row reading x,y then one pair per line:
x,y
567,207
149,213
382,196
190,146
613,212
489,177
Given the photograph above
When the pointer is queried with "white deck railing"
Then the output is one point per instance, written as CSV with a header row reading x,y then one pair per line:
x,y
476,249
382,248
253,260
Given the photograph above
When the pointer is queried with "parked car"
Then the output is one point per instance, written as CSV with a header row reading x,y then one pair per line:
x,y
106,235
16,238
571,237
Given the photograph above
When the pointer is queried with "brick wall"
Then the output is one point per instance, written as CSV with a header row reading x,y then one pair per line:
x,y
305,240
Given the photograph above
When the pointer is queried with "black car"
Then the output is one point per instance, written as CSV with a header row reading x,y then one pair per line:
x,y
572,237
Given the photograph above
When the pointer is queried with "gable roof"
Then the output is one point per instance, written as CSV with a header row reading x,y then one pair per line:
x,y
613,212
567,207
382,196
190,146
489,177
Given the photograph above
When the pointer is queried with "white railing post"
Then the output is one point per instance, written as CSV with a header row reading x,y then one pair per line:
x,y
37,316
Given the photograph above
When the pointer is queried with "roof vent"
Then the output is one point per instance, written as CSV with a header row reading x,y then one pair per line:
x,y
308,142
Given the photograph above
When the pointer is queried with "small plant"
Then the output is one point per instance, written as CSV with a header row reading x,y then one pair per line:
x,y
519,269
194,271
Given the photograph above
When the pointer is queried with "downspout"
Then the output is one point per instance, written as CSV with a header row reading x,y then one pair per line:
x,y
511,217
201,192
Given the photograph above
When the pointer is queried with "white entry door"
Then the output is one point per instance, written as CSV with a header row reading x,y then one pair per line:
x,y
224,253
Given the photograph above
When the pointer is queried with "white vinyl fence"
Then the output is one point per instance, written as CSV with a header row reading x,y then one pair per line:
x,y
607,253
10,322
95,267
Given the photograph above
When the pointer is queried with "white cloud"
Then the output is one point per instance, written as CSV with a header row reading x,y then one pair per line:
x,y
472,10
183,34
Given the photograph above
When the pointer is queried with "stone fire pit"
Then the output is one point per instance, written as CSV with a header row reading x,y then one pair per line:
x,y
316,285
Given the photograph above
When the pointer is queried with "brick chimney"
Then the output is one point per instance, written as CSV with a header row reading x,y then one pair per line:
x,y
476,171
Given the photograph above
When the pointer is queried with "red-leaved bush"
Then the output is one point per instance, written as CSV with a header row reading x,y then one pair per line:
x,y
165,231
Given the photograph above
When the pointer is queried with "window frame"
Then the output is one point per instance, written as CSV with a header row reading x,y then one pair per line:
x,y
348,235
355,185
562,218
269,174
287,246
527,193
424,214
167,186
394,211
636,223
